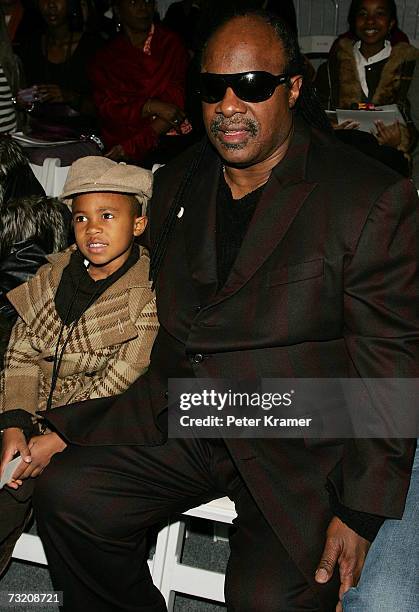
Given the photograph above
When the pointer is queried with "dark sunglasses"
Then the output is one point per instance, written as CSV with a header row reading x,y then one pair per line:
x,y
252,86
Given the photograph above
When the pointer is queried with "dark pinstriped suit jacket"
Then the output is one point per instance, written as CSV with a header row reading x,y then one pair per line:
x,y
325,285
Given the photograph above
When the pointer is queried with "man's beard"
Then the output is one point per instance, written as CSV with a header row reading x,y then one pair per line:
x,y
220,123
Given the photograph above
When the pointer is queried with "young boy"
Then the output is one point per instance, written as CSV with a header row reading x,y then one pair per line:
x,y
86,322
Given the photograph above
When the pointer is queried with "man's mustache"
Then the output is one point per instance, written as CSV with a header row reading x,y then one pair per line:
x,y
222,124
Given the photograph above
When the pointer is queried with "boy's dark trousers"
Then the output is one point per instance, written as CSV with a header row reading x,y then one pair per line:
x,y
15,512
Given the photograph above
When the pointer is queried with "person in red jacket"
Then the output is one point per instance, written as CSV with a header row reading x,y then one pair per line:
x,y
139,83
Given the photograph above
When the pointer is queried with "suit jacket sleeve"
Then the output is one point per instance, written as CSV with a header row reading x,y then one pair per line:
x,y
381,336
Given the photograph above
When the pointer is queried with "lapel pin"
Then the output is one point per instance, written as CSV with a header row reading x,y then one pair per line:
x,y
180,213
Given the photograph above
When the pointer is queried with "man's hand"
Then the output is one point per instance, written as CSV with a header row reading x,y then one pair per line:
x,y
14,442
42,449
388,134
345,547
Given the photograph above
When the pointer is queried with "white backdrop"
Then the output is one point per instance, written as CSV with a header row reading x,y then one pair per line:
x,y
162,6
317,17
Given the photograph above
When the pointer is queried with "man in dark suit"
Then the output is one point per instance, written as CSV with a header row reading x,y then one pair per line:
x,y
276,252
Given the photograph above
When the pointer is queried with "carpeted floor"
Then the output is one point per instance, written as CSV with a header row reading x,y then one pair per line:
x,y
199,551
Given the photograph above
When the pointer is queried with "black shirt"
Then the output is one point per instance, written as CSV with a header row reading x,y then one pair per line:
x,y
70,75
233,218
77,291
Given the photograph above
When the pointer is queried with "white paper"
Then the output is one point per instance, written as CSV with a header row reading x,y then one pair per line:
x,y
8,471
388,114
395,108
331,115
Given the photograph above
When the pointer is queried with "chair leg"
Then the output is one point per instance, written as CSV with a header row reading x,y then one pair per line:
x,y
159,558
174,545
29,548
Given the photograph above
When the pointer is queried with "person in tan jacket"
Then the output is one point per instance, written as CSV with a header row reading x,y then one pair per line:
x,y
371,70
86,325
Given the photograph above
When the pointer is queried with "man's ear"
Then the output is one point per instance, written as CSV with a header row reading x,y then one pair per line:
x,y
294,89
140,223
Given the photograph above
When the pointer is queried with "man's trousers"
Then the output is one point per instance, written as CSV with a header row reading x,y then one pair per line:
x,y
94,506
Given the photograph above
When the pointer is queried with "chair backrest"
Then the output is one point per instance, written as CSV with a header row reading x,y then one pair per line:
x,y
51,175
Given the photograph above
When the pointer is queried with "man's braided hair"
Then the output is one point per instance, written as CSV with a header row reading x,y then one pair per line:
x,y
307,106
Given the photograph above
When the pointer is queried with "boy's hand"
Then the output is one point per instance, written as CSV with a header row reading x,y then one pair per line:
x,y
42,448
14,442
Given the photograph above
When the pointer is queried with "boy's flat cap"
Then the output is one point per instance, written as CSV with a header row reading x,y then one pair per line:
x,y
94,173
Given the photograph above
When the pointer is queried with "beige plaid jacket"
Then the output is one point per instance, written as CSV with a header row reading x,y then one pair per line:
x,y
108,349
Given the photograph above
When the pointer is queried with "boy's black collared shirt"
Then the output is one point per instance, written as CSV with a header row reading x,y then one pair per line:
x,y
77,290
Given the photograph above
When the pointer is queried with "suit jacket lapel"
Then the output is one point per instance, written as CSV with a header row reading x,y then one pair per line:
x,y
199,226
282,199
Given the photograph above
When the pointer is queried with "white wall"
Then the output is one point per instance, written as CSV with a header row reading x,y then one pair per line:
x,y
162,6
319,16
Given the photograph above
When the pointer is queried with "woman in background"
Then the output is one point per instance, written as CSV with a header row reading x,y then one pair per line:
x,y
55,60
370,69
10,82
55,65
139,83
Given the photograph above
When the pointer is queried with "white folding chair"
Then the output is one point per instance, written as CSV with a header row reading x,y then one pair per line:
x,y
167,571
171,576
51,175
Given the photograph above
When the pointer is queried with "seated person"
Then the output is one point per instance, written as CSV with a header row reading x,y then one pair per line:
x,y
138,84
55,65
17,179
11,81
30,229
31,225
86,324
372,70
395,35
